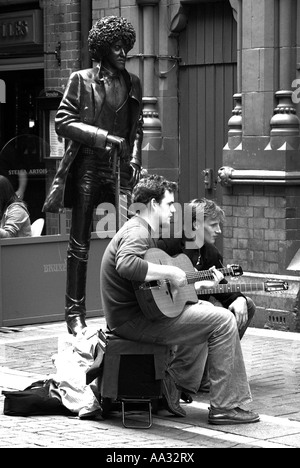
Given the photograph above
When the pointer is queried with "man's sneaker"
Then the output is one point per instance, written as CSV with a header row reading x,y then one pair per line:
x,y
172,396
232,416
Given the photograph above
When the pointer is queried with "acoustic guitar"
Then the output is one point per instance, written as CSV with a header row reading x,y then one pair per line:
x,y
157,298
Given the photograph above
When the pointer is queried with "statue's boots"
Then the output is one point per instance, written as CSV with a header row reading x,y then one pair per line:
x,y
75,309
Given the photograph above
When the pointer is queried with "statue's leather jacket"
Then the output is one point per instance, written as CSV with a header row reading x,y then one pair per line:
x,y
80,106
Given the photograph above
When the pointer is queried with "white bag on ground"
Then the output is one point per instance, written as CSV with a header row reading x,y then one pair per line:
x,y
75,356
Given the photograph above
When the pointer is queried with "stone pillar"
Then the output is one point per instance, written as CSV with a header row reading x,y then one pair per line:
x,y
236,6
267,35
149,52
287,42
152,124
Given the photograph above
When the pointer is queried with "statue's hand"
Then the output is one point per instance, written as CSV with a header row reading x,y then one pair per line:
x,y
118,142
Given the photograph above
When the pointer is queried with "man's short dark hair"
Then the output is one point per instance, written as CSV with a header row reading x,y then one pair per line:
x,y
152,186
105,32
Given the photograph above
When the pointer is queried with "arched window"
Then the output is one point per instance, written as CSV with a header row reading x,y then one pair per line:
x,y
2,92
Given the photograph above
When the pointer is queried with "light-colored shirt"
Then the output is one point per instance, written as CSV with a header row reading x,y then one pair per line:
x,y
15,222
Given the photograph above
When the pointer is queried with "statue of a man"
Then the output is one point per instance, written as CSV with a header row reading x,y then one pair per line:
x,y
100,112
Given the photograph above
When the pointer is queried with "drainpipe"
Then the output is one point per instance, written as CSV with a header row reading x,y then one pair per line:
x,y
86,24
228,176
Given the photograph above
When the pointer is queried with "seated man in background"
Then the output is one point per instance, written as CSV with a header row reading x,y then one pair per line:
x,y
14,216
203,256
124,266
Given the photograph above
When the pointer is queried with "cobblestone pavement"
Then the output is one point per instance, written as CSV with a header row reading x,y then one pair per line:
x,y
272,360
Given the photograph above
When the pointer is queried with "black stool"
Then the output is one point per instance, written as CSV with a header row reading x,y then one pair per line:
x,y
133,374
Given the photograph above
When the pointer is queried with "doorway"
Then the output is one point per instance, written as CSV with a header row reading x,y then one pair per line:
x,y
207,82
19,135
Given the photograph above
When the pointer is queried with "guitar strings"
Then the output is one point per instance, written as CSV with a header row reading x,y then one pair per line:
x,y
206,274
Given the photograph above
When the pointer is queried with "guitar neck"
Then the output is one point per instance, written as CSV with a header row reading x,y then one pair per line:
x,y
233,287
192,277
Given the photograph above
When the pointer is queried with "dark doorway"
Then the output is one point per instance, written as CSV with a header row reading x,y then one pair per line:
x,y
19,135
207,82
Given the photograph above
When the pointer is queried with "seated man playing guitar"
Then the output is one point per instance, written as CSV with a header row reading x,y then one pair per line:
x,y
125,266
203,256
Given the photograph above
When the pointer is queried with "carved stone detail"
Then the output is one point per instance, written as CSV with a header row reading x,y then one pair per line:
x,y
178,18
152,123
224,176
235,122
285,121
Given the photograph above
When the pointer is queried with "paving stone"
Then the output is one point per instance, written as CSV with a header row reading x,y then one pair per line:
x,y
273,365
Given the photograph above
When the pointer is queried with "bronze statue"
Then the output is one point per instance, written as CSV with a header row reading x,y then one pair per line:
x,y
100,112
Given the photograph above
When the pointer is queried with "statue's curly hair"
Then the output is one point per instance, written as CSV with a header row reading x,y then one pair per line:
x,y
105,32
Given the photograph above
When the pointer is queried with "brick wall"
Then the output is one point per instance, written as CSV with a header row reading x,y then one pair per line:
x,y
61,24
261,226
261,233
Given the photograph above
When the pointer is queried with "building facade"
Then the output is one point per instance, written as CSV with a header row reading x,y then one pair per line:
x,y
221,113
